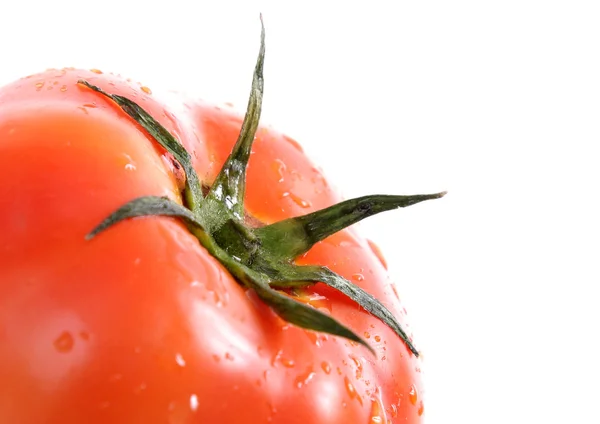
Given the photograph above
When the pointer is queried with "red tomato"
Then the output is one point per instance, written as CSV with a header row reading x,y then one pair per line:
x,y
142,324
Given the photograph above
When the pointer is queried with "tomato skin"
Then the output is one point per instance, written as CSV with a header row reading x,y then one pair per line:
x,y
141,324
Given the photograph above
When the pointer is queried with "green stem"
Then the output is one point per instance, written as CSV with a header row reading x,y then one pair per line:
x,y
261,258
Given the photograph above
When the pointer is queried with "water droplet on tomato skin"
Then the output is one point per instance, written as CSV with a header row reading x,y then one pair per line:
x,y
294,143
39,86
359,366
319,301
358,277
326,366
279,358
146,89
96,71
64,342
377,251
378,415
194,402
297,199
413,395
349,387
279,167
179,360
421,408
305,378
288,363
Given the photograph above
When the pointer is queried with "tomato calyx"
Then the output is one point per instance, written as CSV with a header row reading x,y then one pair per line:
x,y
260,258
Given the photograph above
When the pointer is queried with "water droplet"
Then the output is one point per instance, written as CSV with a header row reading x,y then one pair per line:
x,y
395,290
63,88
278,357
293,143
377,338
279,167
129,162
326,367
377,251
394,410
304,378
349,387
378,415
314,337
39,86
421,408
179,359
359,366
90,105
297,200
273,410
358,277
194,402
146,89
288,363
296,176
229,356
319,301
96,71
64,342
413,395
367,335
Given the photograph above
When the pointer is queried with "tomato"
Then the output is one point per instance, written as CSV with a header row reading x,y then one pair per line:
x,y
142,324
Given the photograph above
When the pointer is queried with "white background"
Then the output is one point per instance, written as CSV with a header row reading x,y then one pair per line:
x,y
496,102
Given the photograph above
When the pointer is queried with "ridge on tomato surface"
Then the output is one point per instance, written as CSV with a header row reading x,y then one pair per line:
x,y
269,259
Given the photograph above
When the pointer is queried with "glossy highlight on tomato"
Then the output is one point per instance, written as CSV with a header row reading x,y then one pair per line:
x,y
143,323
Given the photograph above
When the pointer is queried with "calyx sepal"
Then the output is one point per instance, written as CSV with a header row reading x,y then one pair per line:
x,y
260,258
